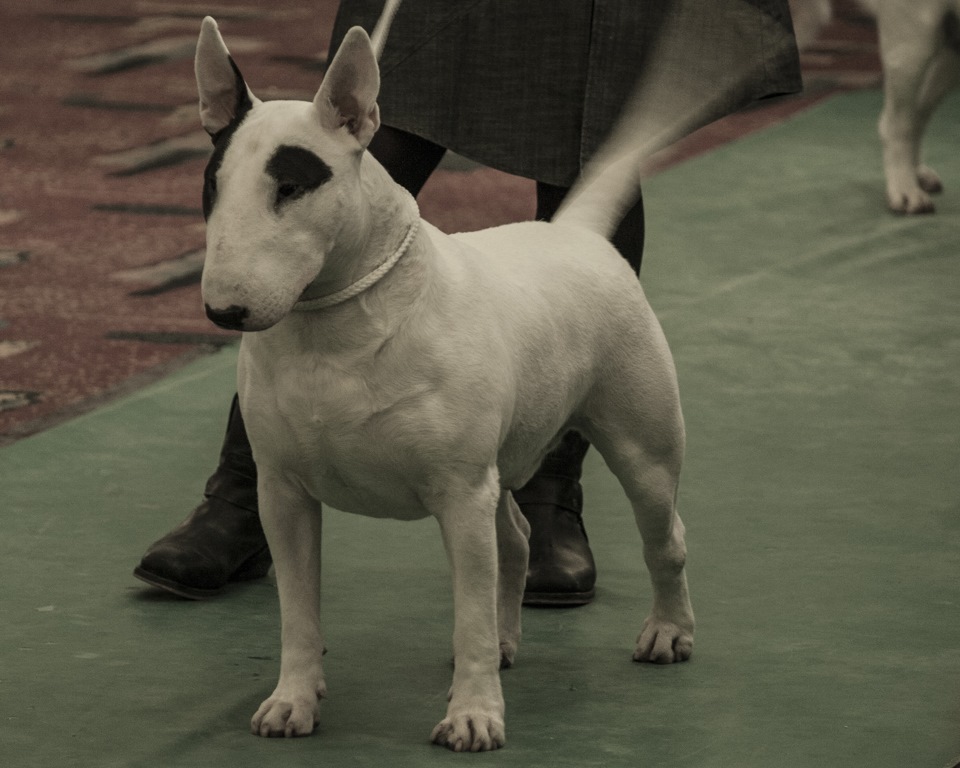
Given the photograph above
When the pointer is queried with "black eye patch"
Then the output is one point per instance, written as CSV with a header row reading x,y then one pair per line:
x,y
296,171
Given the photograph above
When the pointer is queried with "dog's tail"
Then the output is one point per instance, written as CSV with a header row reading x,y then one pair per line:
x,y
680,89
610,182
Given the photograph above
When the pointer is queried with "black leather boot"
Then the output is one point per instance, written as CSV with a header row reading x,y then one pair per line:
x,y
221,541
562,571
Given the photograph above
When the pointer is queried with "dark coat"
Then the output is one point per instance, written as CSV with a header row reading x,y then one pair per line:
x,y
531,87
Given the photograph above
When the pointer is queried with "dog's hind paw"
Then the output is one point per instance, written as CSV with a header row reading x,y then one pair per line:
x,y
470,733
508,653
279,716
929,180
663,642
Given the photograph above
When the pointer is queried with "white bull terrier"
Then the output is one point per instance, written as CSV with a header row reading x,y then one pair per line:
x,y
389,370
920,54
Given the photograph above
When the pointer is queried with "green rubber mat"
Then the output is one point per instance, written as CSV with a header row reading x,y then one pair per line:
x,y
817,339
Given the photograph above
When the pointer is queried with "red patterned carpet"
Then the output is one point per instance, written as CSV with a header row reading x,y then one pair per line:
x,y
101,155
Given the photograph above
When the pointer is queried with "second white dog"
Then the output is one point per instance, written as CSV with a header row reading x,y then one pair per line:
x,y
920,50
920,55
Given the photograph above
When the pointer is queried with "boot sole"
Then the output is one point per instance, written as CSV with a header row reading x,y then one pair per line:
x,y
181,590
558,599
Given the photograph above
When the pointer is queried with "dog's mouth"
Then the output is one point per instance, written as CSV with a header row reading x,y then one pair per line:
x,y
305,293
309,291
312,298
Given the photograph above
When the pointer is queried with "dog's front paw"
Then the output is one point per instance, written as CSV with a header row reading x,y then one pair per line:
x,y
288,716
663,642
470,732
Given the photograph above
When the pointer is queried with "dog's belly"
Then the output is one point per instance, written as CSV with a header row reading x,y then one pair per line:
x,y
367,489
521,456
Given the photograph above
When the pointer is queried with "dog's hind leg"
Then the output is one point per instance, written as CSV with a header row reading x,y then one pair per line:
x,y
636,424
650,478
513,553
908,44
467,514
292,523
942,76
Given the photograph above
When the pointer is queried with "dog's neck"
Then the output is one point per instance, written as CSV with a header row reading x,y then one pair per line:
x,y
370,279
378,235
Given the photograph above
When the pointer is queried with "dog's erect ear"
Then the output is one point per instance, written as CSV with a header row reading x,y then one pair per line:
x,y
348,95
224,96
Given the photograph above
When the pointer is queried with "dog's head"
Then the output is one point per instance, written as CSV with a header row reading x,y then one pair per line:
x,y
282,181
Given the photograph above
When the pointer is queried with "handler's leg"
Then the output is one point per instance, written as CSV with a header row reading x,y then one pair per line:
x,y
409,159
221,540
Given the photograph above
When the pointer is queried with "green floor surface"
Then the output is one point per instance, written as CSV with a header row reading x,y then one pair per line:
x,y
818,344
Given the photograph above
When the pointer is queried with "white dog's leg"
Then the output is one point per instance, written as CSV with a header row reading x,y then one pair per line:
x,y
292,524
513,552
645,453
942,76
667,633
474,720
908,42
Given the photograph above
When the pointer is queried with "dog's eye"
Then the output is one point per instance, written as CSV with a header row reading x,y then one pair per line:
x,y
296,172
289,191
286,191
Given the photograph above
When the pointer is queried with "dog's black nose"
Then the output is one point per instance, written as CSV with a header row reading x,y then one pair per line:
x,y
230,318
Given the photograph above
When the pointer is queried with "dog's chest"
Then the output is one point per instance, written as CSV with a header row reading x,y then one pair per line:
x,y
347,432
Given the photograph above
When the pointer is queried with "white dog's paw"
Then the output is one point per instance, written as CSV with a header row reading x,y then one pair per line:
x,y
929,180
470,732
663,642
911,200
286,715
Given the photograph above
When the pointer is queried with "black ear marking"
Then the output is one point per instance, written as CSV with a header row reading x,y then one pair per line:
x,y
221,140
241,106
296,171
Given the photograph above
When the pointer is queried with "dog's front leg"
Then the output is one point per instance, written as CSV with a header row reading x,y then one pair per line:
x,y
292,523
474,720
